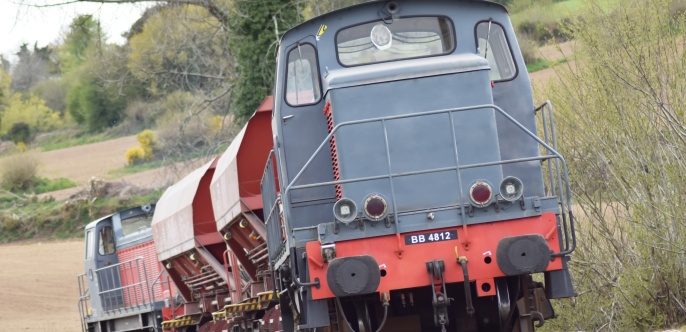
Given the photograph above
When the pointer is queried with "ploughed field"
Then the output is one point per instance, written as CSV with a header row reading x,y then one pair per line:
x,y
38,286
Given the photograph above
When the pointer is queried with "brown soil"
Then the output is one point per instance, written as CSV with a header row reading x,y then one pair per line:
x,y
80,163
38,281
38,286
557,51
552,53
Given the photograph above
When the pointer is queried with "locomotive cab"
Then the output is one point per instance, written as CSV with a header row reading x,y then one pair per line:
x,y
120,268
411,171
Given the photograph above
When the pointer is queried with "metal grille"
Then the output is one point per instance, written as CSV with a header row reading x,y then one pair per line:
x,y
125,285
334,153
129,277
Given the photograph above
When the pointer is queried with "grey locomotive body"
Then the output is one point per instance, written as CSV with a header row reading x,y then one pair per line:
x,y
404,133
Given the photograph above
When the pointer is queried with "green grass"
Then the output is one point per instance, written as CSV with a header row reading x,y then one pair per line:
x,y
70,137
543,64
550,12
40,186
574,6
69,142
136,168
44,185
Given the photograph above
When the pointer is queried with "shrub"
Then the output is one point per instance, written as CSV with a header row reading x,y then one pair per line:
x,y
622,114
146,138
19,171
529,49
31,111
20,132
135,155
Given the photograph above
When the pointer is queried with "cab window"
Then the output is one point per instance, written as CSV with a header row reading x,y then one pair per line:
x,y
403,38
136,224
90,248
106,241
492,45
302,78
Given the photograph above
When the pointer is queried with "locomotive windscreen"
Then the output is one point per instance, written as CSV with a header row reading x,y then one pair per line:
x,y
404,38
135,224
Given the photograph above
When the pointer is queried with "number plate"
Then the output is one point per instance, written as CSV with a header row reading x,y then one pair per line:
x,y
431,237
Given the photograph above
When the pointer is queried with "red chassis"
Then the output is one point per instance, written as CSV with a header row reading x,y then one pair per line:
x,y
403,266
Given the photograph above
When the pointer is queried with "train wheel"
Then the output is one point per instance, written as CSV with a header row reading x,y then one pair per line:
x,y
494,313
506,304
356,315
364,321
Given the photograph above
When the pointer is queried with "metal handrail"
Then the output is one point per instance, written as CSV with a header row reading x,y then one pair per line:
x,y
272,222
84,299
560,166
136,288
152,291
566,209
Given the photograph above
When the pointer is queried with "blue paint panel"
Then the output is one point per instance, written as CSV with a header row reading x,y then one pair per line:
x,y
418,143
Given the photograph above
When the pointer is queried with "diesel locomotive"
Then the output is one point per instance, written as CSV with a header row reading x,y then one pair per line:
x,y
410,184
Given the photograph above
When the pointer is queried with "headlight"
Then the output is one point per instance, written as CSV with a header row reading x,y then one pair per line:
x,y
375,207
345,210
481,193
511,188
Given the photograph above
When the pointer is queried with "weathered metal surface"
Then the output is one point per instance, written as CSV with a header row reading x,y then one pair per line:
x,y
177,213
242,164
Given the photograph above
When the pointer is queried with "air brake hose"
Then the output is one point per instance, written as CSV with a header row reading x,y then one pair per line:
x,y
467,289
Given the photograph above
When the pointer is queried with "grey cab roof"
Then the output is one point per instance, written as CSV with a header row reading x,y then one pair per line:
x,y
322,31
376,3
92,224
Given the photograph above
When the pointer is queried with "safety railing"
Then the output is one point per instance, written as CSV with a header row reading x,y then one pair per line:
x,y
124,286
550,137
84,303
559,189
271,209
160,282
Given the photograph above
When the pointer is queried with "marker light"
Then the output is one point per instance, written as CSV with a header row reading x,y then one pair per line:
x,y
345,210
381,37
375,207
511,188
481,193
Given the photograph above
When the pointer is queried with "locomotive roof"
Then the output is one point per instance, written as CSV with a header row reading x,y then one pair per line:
x,y
373,3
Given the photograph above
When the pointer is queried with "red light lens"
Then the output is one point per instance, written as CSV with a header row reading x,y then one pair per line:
x,y
375,207
481,193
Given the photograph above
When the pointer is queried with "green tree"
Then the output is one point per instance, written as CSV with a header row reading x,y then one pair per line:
x,y
31,111
54,92
5,84
622,127
257,27
83,36
180,47
95,105
320,7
